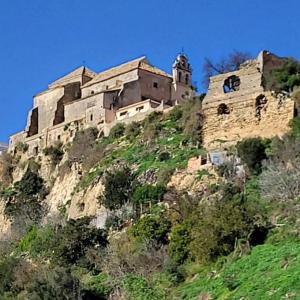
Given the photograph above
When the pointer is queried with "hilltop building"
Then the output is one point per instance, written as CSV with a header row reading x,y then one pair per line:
x,y
237,104
83,98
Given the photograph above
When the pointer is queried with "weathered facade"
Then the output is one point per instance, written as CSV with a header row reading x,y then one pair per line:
x,y
83,98
238,106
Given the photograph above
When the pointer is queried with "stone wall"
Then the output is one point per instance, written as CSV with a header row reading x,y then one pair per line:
x,y
245,109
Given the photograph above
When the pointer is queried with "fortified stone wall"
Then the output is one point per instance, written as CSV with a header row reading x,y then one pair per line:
x,y
237,106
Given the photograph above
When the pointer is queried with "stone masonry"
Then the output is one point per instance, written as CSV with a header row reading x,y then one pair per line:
x,y
237,105
84,99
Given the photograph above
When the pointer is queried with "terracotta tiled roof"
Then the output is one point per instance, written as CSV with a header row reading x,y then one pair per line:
x,y
77,72
139,63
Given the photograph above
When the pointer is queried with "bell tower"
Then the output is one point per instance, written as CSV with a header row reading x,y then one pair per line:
x,y
182,78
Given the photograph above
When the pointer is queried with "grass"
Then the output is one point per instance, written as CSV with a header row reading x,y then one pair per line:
x,y
268,272
143,157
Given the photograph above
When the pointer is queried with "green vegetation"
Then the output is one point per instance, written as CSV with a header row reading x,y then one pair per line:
x,y
56,153
234,237
284,78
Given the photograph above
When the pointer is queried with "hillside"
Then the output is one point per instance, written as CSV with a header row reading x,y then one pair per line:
x,y
143,214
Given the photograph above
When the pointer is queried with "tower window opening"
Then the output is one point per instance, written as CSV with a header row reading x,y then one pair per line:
x,y
231,84
155,85
91,117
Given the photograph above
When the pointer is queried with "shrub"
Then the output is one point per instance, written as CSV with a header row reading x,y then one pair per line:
x,y
217,227
132,130
148,192
163,156
22,147
295,127
138,288
285,77
154,227
180,239
76,238
31,184
55,152
252,153
119,185
117,131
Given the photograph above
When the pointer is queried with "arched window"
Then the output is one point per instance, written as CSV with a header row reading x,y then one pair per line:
x,y
260,104
231,84
187,79
223,109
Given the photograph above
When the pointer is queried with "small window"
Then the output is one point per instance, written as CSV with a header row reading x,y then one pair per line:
x,y
140,108
223,109
91,118
231,84
124,113
92,92
58,137
36,150
155,85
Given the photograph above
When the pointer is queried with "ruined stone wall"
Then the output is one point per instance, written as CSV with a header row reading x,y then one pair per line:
x,y
248,111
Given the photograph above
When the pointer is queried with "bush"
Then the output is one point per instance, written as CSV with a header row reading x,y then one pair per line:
x,y
132,130
154,227
163,156
22,147
285,77
149,193
119,185
117,131
295,127
180,239
138,288
218,226
76,238
252,152
31,184
55,152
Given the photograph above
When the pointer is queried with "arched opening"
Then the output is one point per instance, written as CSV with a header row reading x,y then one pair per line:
x,y
223,109
260,104
231,84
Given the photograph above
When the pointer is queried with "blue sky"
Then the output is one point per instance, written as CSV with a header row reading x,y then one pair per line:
x,y
42,40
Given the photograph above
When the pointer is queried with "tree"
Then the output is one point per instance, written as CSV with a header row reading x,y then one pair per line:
x,y
119,185
231,63
252,152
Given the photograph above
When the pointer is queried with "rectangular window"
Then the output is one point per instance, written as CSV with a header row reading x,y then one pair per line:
x,y
139,108
124,113
155,85
91,118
